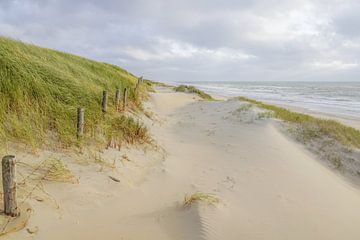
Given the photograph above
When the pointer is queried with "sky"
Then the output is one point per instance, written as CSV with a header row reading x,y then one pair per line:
x,y
199,40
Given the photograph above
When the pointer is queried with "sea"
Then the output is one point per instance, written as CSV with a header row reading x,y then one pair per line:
x,y
333,98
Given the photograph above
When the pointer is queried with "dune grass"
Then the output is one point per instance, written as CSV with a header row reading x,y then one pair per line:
x,y
42,88
245,108
200,197
155,83
150,84
192,89
57,171
311,127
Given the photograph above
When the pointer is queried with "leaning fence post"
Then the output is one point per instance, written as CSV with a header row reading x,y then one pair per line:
x,y
9,186
104,101
80,122
124,98
117,99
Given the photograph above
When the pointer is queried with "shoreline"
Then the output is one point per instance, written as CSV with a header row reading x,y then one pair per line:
x,y
352,121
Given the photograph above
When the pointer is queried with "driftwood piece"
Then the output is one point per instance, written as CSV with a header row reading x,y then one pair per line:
x,y
114,179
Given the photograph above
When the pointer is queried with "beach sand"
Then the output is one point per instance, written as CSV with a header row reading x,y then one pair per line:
x,y
269,186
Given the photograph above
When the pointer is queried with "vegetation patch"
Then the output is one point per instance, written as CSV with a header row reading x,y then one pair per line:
x,y
200,197
192,89
244,108
310,127
265,115
127,129
248,113
57,171
41,90
152,83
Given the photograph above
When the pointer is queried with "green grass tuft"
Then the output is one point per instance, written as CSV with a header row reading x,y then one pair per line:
x,y
127,129
192,89
42,88
311,127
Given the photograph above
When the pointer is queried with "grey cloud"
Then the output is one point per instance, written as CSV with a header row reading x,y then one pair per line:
x,y
198,40
347,20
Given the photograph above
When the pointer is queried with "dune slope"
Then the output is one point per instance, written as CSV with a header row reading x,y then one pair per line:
x,y
41,90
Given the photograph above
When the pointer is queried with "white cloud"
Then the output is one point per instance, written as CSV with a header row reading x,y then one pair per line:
x,y
334,65
170,49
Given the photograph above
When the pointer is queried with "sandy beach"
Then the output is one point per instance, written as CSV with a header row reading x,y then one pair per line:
x,y
268,186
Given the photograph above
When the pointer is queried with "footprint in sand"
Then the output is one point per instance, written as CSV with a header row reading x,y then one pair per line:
x,y
210,132
284,198
229,183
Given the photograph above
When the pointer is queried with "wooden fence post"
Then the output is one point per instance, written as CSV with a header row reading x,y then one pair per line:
x,y
124,98
9,186
140,80
80,122
104,101
117,99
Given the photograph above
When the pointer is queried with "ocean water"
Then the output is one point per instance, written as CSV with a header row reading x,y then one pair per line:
x,y
336,98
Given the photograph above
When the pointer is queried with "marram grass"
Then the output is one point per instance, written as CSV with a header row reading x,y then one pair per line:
x,y
155,83
312,127
41,90
57,171
192,89
211,199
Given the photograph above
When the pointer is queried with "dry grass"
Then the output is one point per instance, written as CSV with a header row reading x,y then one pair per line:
x,y
200,197
98,159
57,171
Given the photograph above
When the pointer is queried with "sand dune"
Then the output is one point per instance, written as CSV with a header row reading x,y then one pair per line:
x,y
269,186
351,121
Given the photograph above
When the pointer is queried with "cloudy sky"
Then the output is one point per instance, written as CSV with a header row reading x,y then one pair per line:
x,y
199,40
